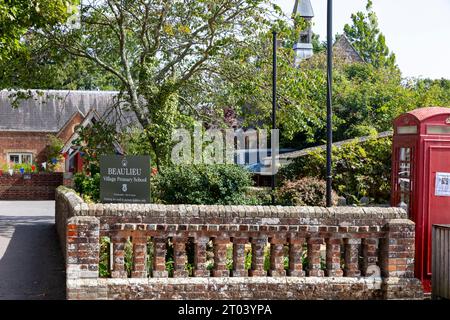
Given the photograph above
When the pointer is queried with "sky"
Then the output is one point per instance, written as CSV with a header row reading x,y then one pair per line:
x,y
417,31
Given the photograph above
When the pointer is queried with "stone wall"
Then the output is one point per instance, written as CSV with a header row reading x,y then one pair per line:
x,y
39,186
351,253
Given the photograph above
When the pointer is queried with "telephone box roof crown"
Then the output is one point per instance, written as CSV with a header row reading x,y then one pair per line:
x,y
428,112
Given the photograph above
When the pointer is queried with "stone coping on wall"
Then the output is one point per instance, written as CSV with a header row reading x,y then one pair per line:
x,y
243,288
80,208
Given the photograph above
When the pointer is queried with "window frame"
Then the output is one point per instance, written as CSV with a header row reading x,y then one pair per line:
x,y
20,155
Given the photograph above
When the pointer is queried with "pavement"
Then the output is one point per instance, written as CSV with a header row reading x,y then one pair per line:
x,y
31,262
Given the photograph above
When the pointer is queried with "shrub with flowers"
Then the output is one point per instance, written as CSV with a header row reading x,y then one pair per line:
x,y
11,168
24,168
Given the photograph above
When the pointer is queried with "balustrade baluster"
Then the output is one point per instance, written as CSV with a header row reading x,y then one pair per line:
x,y
333,258
220,257
200,244
139,257
277,257
370,255
239,257
295,257
118,243
351,266
257,268
179,257
314,267
159,257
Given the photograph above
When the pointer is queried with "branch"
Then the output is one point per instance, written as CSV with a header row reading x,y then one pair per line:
x,y
157,30
83,54
211,21
134,103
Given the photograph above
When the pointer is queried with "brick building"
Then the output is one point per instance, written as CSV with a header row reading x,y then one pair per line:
x,y
25,125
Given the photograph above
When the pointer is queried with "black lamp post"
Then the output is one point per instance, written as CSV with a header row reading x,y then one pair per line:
x,y
329,96
274,110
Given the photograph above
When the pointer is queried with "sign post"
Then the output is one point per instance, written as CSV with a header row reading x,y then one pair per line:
x,y
124,179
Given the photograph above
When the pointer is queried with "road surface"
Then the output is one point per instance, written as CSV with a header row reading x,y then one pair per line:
x,y
31,263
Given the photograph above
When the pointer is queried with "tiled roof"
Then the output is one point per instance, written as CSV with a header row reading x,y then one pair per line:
x,y
48,111
344,47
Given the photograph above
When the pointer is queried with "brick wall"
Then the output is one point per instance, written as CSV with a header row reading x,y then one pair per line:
x,y
41,186
69,128
352,253
33,142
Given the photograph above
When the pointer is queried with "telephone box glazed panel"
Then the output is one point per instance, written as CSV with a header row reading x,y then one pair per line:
x,y
421,176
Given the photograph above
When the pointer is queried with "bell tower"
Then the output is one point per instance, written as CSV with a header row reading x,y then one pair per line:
x,y
304,48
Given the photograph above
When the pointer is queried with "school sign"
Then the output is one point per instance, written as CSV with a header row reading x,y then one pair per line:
x,y
124,179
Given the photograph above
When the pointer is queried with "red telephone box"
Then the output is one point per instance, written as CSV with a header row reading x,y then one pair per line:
x,y
421,176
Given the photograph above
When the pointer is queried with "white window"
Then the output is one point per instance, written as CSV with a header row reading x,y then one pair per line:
x,y
438,129
407,130
20,157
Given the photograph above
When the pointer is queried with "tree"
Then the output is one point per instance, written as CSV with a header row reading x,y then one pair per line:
x,y
369,98
18,17
301,91
367,39
366,98
430,92
158,49
178,61
39,65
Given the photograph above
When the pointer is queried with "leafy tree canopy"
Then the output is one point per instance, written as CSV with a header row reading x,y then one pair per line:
x,y
19,16
163,55
366,37
178,61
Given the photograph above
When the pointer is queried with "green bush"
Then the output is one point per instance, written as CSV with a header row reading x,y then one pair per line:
x,y
259,196
359,169
199,184
28,167
150,256
54,152
95,140
203,184
88,186
306,191
104,258
128,257
247,259
170,262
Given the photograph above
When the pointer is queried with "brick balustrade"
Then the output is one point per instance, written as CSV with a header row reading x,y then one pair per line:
x,y
332,253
